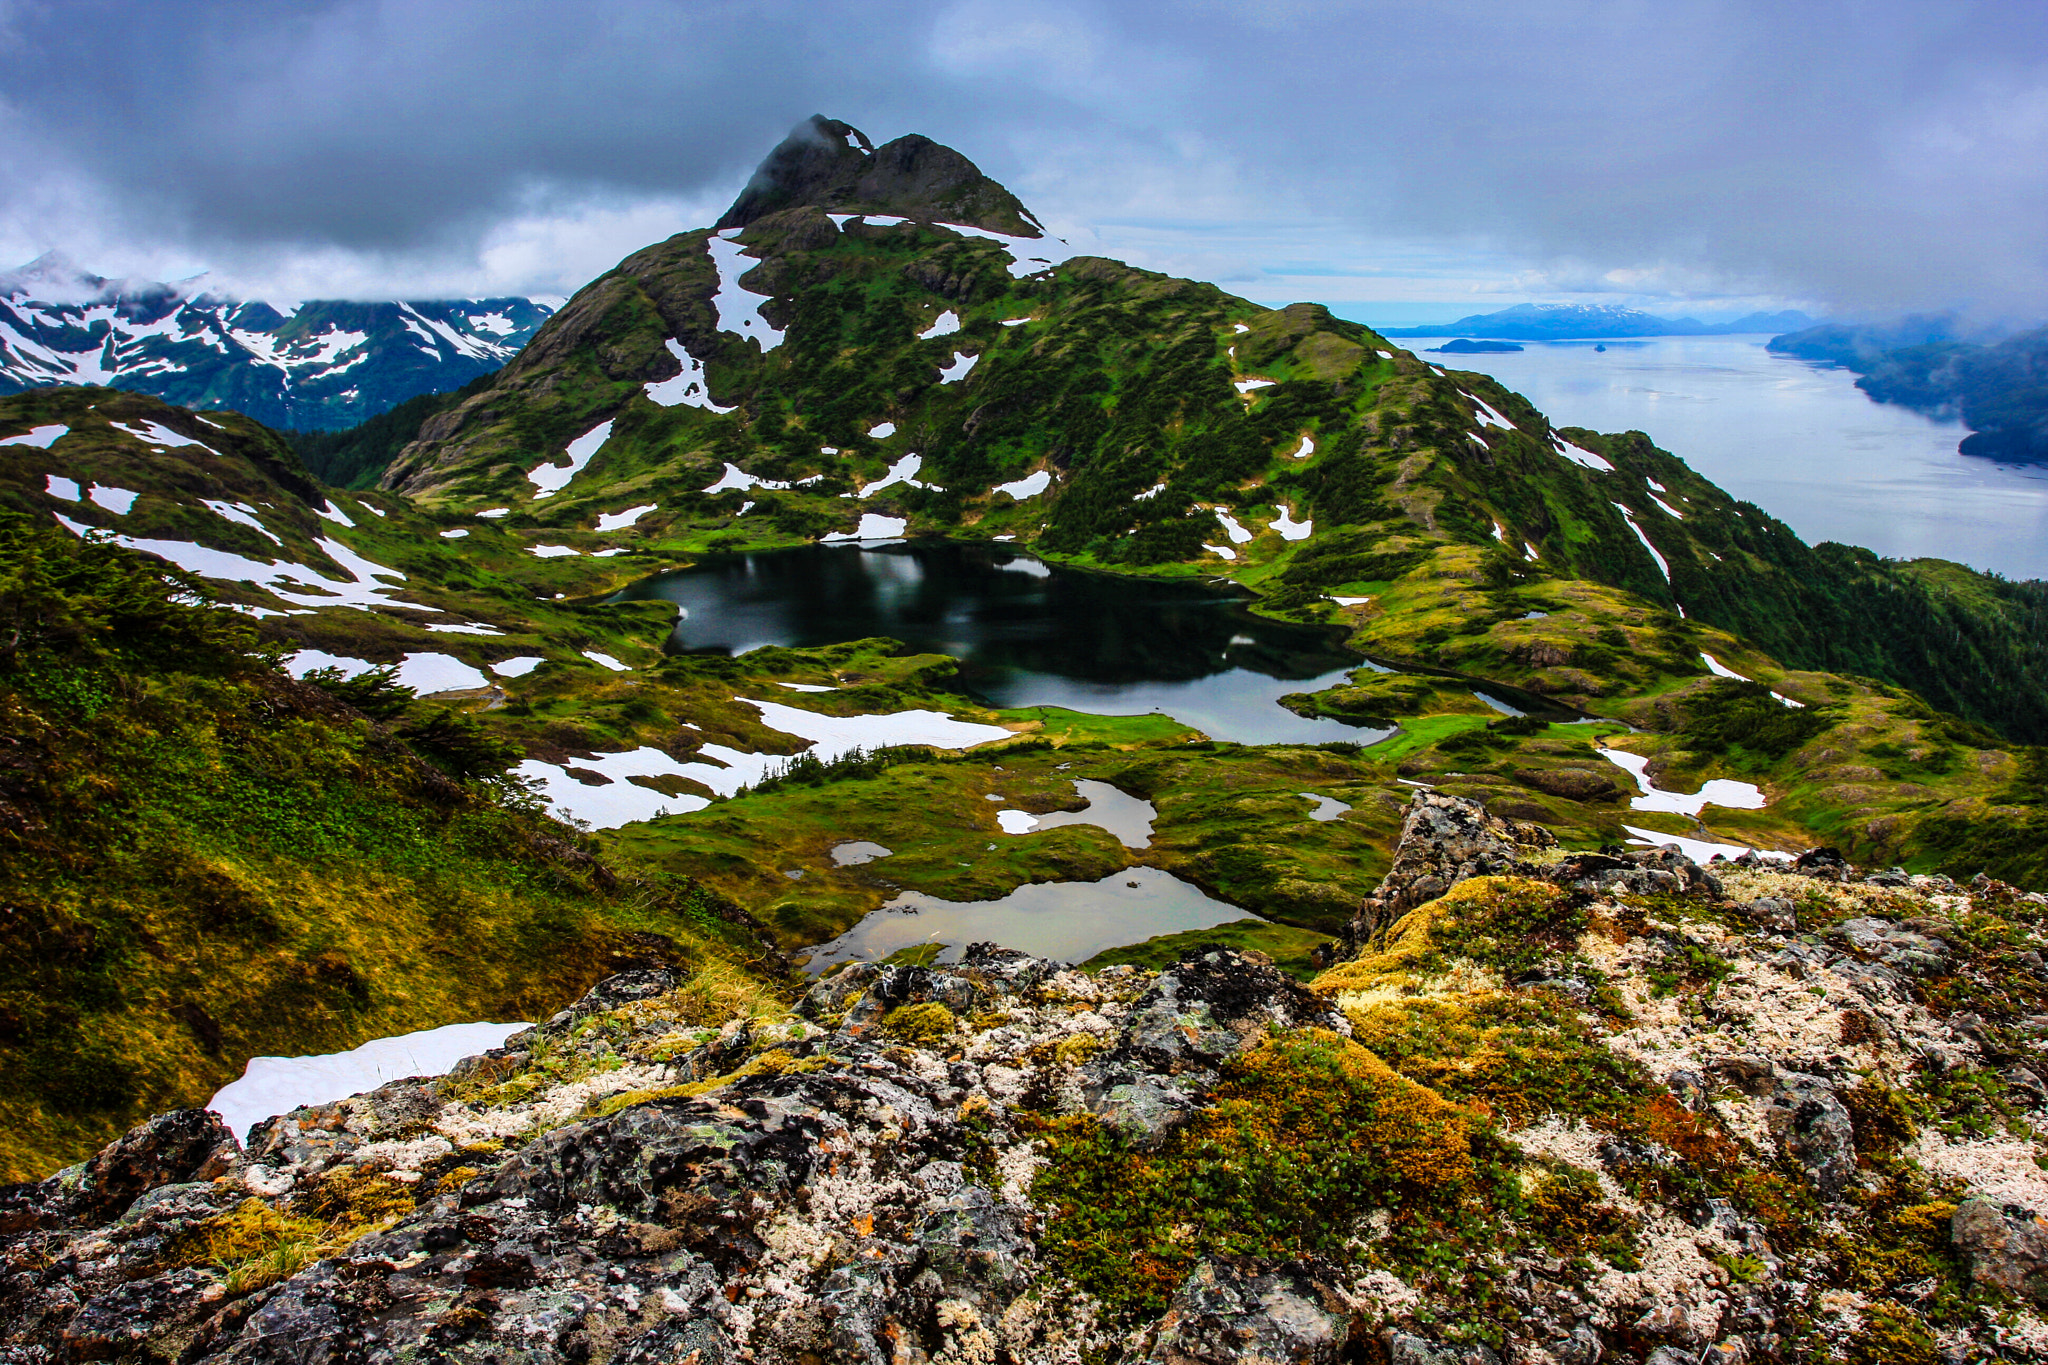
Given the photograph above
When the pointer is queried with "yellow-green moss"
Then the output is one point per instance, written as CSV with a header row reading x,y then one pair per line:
x,y
1519,1056
1309,1133
927,1025
1489,926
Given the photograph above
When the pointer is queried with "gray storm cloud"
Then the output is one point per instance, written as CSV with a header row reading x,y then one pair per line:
x,y
1881,154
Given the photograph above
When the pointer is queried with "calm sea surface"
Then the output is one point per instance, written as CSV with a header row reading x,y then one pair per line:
x,y
1801,442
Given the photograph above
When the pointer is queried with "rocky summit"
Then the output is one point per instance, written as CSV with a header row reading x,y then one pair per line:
x,y
1564,1108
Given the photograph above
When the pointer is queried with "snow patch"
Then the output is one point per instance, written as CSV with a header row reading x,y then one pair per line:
x,y
57,486
157,434
1289,528
40,437
1223,550
115,500
242,514
1721,670
873,526
1579,455
552,551
904,471
1627,516
277,1085
724,770
551,479
962,365
881,431
607,661
1238,534
1031,485
457,534
736,478
739,309
329,512
948,323
1245,386
618,521
688,389
1305,449
1699,850
431,673
1719,791
517,667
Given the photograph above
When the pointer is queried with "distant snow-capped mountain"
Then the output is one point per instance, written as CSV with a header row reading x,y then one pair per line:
x,y
321,365
1584,321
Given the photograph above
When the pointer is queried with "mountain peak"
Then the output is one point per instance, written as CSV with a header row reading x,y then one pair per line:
x,y
827,164
53,276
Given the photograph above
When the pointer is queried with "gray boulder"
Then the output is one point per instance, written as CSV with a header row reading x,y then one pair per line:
x,y
1812,1124
2007,1248
1201,1012
1253,1314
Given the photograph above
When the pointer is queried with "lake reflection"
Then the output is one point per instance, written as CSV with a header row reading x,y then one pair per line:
x,y
1065,921
1026,633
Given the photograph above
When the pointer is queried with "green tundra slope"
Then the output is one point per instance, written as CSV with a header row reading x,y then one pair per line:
x,y
921,379
206,860
1109,416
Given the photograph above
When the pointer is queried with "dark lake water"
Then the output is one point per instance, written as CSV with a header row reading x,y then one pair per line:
x,y
1026,633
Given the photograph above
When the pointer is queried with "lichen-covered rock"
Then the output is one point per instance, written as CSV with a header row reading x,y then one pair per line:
x,y
1254,1314
1813,1126
1201,1012
2007,1248
1444,840
1599,1108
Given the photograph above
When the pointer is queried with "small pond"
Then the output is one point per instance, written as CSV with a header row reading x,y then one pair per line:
x,y
1026,633
1066,921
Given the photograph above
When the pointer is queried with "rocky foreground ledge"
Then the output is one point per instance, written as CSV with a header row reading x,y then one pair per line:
x,y
1554,1108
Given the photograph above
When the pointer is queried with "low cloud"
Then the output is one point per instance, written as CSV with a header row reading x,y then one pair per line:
x,y
1882,155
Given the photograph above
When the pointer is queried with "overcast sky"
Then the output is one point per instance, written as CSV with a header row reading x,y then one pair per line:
x,y
1442,155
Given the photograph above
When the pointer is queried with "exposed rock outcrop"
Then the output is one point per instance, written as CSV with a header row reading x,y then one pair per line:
x,y
831,165
1612,1109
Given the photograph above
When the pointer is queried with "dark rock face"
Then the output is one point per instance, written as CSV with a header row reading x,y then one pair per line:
x,y
831,165
1579,784
186,1145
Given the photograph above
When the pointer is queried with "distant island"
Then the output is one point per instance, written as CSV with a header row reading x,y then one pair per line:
x,y
1464,347
1584,322
1942,365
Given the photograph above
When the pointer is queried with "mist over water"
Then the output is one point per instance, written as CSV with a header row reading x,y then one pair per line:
x,y
1801,442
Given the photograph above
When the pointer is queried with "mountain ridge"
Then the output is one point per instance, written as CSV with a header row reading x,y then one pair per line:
x,y
1589,321
325,364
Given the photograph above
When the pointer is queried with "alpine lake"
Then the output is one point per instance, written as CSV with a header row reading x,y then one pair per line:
x,y
904,865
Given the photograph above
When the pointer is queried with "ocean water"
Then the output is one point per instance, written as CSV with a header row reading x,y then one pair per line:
x,y
1800,441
